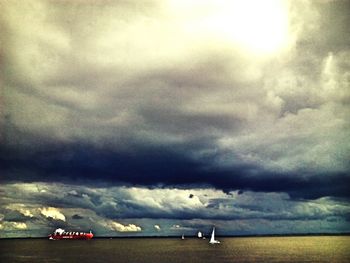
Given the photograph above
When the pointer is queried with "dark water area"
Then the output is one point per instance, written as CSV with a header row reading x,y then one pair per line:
x,y
167,250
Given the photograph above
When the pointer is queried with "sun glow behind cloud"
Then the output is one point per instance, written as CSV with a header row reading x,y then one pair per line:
x,y
261,27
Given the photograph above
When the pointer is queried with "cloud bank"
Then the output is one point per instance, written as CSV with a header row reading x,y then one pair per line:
x,y
141,211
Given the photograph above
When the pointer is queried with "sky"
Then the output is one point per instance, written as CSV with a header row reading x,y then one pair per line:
x,y
164,117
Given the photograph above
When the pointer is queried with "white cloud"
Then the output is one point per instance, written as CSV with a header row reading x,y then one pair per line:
x,y
52,212
157,227
20,225
21,208
165,199
178,227
12,226
124,228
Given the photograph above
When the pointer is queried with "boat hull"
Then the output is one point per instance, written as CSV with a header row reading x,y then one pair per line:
x,y
71,237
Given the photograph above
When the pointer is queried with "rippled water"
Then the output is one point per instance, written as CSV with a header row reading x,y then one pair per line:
x,y
252,249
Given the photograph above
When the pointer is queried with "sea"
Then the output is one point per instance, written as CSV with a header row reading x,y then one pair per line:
x,y
167,250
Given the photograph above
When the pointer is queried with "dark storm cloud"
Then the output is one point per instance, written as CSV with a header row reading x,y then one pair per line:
x,y
156,167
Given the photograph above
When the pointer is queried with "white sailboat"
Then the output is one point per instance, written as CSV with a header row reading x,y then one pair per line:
x,y
183,236
212,238
200,235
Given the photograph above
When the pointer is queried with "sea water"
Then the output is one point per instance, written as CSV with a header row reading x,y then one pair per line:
x,y
167,250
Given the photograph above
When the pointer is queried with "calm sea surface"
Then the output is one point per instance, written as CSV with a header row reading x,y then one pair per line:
x,y
252,249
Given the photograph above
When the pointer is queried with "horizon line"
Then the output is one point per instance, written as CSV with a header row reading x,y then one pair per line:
x,y
195,237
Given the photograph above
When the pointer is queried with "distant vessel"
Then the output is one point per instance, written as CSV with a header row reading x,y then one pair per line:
x,y
200,235
62,234
212,238
183,236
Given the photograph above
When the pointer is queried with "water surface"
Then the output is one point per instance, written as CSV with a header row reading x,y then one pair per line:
x,y
168,250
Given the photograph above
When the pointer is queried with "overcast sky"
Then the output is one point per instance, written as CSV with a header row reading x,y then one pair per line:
x,y
167,117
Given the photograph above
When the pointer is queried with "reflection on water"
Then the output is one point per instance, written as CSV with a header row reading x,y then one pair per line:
x,y
252,249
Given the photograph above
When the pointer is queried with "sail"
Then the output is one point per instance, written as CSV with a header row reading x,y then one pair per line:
x,y
200,234
212,238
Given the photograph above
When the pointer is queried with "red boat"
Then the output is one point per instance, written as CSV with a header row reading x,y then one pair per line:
x,y
62,234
